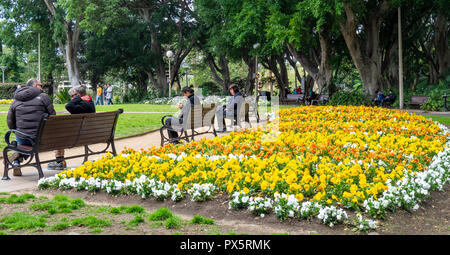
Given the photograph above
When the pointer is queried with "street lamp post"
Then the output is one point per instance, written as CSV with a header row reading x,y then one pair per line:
x,y
39,56
256,46
187,77
3,73
400,61
169,55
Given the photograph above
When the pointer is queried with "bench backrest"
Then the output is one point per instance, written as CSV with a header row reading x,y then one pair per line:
x,y
418,99
294,96
200,116
68,131
324,97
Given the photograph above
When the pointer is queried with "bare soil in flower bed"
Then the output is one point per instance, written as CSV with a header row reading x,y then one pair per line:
x,y
432,218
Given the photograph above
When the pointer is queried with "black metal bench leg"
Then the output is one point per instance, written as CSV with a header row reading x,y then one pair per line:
x,y
86,153
113,146
161,130
5,164
38,166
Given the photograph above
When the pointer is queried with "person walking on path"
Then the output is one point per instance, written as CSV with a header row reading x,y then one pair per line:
x,y
109,94
99,97
25,114
80,103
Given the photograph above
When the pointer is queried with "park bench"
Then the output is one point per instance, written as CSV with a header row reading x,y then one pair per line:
x,y
322,99
417,100
64,132
200,117
243,115
294,98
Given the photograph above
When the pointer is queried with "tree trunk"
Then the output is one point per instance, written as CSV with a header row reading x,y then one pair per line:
x,y
224,78
277,66
442,44
249,86
365,53
70,49
318,66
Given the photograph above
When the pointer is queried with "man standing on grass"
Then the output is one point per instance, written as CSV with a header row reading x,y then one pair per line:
x,y
109,94
25,114
99,97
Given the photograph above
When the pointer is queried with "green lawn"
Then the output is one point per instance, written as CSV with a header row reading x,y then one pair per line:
x,y
125,107
441,119
128,124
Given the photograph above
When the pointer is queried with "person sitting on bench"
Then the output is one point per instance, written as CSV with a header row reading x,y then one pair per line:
x,y
390,99
231,110
25,114
81,102
379,99
177,123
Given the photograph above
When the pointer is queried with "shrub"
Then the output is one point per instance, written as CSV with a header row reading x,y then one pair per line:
x,y
435,101
7,90
63,96
353,97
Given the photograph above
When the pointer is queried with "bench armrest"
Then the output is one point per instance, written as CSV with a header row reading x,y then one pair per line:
x,y
163,119
14,143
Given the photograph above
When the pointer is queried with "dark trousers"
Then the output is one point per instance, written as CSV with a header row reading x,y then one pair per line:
x,y
21,141
172,134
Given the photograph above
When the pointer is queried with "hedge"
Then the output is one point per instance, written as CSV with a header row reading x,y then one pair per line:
x,y
7,89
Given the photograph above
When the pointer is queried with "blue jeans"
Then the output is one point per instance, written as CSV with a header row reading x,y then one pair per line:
x,y
21,141
110,101
97,99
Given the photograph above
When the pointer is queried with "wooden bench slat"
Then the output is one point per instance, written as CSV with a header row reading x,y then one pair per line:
x,y
57,144
92,140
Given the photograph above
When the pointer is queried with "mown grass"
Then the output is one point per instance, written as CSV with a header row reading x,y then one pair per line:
x,y
22,220
16,199
59,204
442,119
128,124
62,212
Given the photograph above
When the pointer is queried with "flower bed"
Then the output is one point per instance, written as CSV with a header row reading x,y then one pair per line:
x,y
320,161
6,101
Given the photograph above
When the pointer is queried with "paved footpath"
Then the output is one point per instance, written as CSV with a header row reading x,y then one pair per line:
x,y
29,177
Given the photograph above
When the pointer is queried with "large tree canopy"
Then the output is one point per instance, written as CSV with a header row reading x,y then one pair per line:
x,y
334,41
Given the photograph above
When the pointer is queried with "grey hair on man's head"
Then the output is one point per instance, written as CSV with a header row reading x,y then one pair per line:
x,y
32,81
72,91
81,90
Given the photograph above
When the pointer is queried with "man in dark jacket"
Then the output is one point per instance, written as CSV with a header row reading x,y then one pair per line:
x,y
231,110
25,114
80,103
177,123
